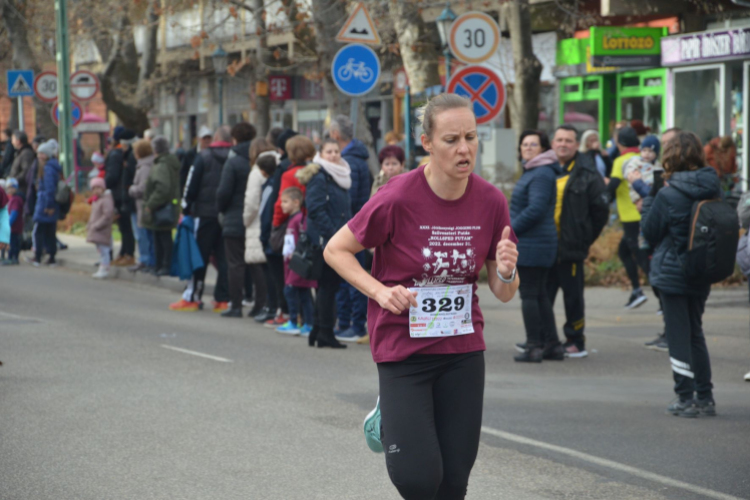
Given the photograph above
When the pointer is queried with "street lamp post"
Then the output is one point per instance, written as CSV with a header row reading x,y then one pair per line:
x,y
444,22
221,60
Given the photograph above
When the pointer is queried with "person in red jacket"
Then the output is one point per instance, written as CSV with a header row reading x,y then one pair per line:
x,y
300,150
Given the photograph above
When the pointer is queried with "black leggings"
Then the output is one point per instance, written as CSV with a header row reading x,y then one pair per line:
x,y
431,418
631,256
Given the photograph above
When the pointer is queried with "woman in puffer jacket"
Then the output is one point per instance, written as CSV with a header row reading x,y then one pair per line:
x,y
255,257
532,213
666,222
327,180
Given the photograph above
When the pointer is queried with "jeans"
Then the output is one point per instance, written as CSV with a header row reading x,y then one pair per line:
x,y
15,246
146,250
352,304
300,302
105,253
536,307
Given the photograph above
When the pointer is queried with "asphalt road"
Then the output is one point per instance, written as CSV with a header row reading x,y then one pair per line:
x,y
93,406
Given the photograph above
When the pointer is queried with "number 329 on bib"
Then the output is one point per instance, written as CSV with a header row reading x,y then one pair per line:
x,y
441,312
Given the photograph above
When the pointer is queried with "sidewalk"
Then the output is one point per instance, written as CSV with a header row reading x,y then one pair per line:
x,y
83,257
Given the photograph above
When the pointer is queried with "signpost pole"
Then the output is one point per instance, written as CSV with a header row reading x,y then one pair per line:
x,y
354,115
20,114
407,125
65,127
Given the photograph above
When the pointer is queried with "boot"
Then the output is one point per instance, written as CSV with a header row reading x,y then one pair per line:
x,y
530,355
313,336
326,339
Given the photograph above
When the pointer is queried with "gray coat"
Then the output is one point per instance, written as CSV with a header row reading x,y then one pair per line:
x,y
137,190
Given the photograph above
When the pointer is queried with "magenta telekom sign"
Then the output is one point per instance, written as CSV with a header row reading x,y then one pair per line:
x,y
706,46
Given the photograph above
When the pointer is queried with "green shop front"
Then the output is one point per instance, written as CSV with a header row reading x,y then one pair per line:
x,y
612,75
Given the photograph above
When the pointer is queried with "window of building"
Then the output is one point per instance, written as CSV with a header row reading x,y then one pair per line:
x,y
698,101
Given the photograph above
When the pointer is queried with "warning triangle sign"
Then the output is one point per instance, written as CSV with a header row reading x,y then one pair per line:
x,y
21,86
359,28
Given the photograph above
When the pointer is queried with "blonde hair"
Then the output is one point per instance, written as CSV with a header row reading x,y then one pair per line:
x,y
438,104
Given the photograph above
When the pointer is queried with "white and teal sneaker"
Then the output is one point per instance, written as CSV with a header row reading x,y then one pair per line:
x,y
289,328
372,429
305,330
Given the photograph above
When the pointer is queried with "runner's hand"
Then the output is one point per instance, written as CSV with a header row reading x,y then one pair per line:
x,y
506,255
396,299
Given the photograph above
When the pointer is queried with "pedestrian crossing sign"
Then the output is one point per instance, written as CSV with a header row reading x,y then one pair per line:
x,y
20,82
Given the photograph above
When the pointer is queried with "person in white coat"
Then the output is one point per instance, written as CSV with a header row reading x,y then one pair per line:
x,y
263,151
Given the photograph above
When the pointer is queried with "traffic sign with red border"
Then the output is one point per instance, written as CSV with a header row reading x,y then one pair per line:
x,y
474,37
45,86
483,87
84,85
76,112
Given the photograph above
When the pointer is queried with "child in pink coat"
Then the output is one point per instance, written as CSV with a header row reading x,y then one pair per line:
x,y
297,290
99,228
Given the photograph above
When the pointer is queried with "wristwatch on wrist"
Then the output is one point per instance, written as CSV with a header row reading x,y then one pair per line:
x,y
508,281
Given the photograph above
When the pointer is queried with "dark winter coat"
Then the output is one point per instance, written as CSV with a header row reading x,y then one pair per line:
x,y
45,192
21,165
119,173
585,210
30,202
162,187
356,154
267,210
665,222
328,204
187,162
203,181
230,196
9,153
532,214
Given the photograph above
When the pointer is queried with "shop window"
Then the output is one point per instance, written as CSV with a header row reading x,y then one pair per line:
x,y
647,109
652,82
572,88
697,101
631,81
591,85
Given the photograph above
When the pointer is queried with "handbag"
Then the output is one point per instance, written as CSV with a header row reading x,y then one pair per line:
x,y
165,216
277,237
307,259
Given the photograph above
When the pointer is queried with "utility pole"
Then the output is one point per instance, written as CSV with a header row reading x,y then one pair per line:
x,y
65,107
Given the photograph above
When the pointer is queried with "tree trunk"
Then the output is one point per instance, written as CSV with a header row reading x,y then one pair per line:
x,y
528,69
262,103
329,16
23,58
416,40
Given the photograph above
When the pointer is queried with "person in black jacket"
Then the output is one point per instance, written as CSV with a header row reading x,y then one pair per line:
x,y
204,140
199,200
230,199
275,260
8,153
119,172
666,226
581,213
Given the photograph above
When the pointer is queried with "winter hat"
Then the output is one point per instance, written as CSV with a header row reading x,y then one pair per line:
x,y
205,132
11,183
285,136
123,134
97,158
48,149
97,182
651,141
628,138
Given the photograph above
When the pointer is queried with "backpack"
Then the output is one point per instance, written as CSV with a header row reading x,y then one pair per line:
x,y
712,247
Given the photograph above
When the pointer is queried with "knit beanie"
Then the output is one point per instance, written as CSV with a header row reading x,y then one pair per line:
x,y
48,149
651,141
97,182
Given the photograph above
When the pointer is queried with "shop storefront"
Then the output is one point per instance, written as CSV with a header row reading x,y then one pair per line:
x,y
709,74
606,78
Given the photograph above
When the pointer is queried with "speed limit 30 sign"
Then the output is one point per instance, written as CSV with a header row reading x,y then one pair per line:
x,y
45,86
474,37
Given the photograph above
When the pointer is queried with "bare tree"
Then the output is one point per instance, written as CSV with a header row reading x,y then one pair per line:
x,y
417,41
525,96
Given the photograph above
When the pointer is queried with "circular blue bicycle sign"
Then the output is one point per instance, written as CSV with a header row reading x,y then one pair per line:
x,y
355,69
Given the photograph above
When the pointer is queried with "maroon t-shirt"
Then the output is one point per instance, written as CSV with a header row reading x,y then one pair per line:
x,y
423,240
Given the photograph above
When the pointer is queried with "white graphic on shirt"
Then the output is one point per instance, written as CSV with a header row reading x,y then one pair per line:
x,y
450,256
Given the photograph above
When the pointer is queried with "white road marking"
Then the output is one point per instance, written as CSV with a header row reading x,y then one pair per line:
x,y
603,462
16,316
199,354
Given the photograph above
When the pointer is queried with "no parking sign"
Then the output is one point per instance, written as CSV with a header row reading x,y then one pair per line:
x,y
483,87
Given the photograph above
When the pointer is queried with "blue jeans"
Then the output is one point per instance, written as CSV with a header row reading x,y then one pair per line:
x,y
299,301
351,304
146,248
15,246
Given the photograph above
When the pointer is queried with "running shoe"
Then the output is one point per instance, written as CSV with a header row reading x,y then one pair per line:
x,y
350,335
574,350
637,299
220,306
184,306
264,315
101,274
372,429
684,409
305,330
706,407
289,328
277,321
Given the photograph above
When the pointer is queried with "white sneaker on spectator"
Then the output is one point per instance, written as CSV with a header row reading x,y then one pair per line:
x,y
101,274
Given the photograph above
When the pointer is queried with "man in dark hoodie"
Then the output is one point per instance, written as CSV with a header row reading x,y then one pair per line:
x,y
199,200
230,199
275,260
119,172
352,305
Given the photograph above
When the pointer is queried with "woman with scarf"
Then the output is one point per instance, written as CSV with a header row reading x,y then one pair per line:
x,y
532,210
327,181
